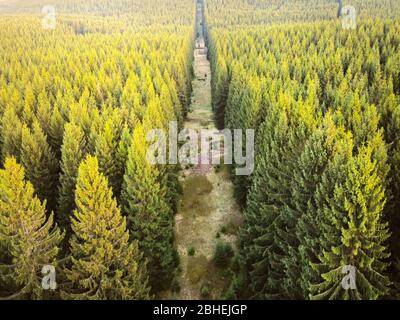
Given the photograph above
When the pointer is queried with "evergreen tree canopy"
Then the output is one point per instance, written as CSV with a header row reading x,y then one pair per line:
x,y
29,239
104,265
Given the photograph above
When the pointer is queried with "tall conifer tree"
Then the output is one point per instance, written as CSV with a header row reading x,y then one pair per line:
x,y
28,238
72,153
104,265
149,215
40,164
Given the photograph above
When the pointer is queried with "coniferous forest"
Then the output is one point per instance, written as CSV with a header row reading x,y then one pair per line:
x,y
82,86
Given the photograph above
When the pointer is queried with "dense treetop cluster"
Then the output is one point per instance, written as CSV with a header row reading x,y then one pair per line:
x,y
77,102
138,13
76,189
325,104
232,13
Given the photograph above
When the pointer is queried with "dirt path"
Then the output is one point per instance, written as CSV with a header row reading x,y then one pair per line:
x,y
208,212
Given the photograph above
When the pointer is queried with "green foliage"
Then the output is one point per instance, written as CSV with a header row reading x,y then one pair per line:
x,y
121,159
28,238
132,14
104,265
106,152
191,251
222,254
205,291
266,12
11,134
72,153
324,105
151,224
64,95
356,213
223,229
40,163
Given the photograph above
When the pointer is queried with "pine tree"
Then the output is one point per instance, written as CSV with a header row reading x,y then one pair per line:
x,y
152,223
393,216
104,265
29,240
28,113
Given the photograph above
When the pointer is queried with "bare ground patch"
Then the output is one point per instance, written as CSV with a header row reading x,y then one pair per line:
x,y
207,204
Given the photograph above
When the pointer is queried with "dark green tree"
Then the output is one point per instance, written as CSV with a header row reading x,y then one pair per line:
x,y
40,164
72,153
152,223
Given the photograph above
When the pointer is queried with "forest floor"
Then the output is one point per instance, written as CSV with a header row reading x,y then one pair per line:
x,y
208,212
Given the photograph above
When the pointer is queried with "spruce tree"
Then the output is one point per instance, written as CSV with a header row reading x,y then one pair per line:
x,y
303,124
72,153
40,164
122,158
104,265
149,215
43,113
106,145
260,253
28,238
314,181
354,234
269,244
247,114
56,131
11,134
220,90
168,177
